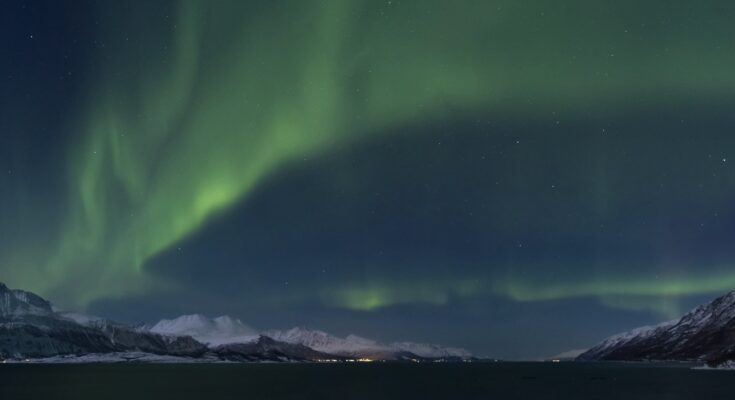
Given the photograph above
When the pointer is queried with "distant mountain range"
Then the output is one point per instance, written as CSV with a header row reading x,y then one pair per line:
x,y
706,334
31,330
226,330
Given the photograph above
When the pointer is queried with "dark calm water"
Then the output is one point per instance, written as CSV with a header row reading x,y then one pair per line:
x,y
375,381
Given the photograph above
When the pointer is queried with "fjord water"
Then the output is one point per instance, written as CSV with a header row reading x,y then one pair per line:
x,y
374,381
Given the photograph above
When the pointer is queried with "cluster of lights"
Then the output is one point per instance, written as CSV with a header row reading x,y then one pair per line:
x,y
362,360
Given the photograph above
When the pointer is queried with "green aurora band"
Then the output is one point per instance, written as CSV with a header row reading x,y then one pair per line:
x,y
186,125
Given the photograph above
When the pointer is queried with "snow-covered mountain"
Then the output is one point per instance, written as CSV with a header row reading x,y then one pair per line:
x,y
356,346
31,328
227,330
706,333
211,331
20,302
620,340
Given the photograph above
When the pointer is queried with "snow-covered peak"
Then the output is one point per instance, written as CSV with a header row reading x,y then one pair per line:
x,y
211,331
19,302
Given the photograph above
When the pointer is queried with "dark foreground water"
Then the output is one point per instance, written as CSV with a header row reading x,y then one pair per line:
x,y
374,381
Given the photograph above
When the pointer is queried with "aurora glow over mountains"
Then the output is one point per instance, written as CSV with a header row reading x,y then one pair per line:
x,y
458,172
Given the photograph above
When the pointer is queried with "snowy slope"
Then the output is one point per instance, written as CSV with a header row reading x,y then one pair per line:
x,y
705,333
619,340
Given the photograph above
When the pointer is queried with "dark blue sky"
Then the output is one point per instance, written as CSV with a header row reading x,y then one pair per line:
x,y
519,180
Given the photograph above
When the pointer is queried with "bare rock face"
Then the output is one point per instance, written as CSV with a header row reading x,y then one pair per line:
x,y
706,333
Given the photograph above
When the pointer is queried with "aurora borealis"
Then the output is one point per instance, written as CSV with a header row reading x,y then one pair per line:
x,y
464,172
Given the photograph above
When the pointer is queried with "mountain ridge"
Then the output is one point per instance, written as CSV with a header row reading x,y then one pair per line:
x,y
706,333
31,329
210,331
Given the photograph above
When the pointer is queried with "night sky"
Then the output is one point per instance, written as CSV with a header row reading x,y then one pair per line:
x,y
519,178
